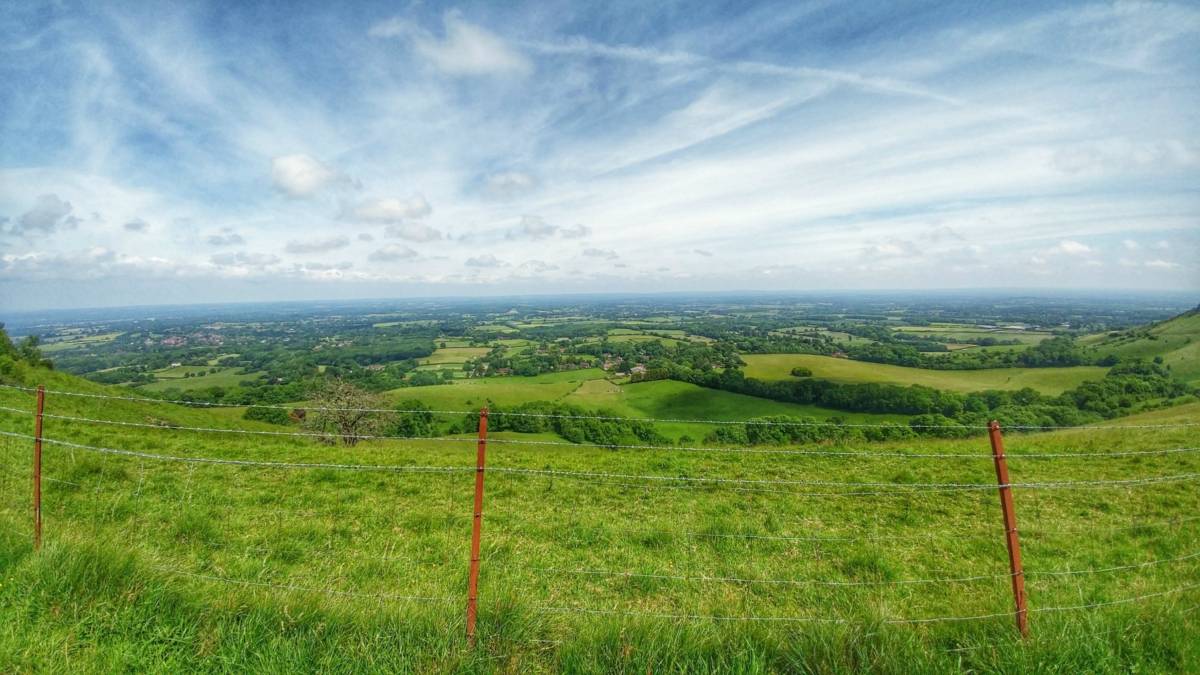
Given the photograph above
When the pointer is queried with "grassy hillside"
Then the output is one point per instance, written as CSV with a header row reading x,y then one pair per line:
x,y
1176,340
591,390
169,566
1045,380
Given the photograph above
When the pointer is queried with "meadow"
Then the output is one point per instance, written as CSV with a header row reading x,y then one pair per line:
x,y
1045,380
594,559
174,377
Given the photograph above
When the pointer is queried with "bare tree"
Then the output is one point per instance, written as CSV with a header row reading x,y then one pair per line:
x,y
343,411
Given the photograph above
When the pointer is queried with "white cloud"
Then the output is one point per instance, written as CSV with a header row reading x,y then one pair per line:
x,y
226,237
466,49
1131,245
1072,247
485,260
316,245
605,253
136,225
243,259
391,210
323,267
700,251
537,266
418,232
392,253
508,184
301,175
49,213
1162,265
576,231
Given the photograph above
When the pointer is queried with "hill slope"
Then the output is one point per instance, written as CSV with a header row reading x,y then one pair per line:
x,y
1176,340
166,565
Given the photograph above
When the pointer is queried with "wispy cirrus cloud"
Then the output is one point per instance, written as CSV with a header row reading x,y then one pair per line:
x,y
966,149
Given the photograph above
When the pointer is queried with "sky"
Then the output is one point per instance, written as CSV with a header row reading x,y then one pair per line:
x,y
191,152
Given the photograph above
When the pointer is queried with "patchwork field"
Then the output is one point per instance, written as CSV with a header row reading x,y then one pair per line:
x,y
1045,380
79,342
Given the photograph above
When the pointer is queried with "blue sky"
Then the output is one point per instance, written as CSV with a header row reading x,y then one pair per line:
x,y
180,152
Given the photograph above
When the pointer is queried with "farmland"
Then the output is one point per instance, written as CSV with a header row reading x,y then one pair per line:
x,y
747,525
1045,380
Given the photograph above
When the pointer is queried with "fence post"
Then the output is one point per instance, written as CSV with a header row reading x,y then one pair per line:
x,y
473,577
37,469
1010,528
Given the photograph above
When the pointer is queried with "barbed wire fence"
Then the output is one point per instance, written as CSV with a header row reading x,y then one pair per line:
x,y
1015,576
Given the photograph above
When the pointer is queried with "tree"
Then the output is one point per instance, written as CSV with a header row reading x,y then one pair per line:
x,y
412,419
343,411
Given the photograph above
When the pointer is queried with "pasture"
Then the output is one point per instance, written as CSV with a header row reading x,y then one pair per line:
x,y
152,564
175,377
1045,380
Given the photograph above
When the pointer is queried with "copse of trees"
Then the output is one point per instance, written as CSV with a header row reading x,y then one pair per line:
x,y
573,423
1125,389
24,353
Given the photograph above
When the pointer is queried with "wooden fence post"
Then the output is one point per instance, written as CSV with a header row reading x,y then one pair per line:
x,y
37,469
1010,529
476,527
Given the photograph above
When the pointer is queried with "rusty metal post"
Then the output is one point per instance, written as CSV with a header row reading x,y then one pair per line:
x,y
1010,528
37,469
476,527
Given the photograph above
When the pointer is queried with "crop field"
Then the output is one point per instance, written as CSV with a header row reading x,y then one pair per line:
x,y
1045,380
594,559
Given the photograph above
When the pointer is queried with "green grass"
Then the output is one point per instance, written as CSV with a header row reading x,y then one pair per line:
x,y
173,378
591,390
472,393
1176,340
110,591
1045,380
457,355
79,341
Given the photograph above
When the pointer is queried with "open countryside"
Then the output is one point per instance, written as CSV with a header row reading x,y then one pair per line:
x,y
767,337
722,479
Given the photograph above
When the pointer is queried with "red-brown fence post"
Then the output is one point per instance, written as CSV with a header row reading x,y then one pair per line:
x,y
37,469
1010,528
476,527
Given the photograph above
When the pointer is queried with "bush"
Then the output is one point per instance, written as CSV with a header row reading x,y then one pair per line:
x,y
268,415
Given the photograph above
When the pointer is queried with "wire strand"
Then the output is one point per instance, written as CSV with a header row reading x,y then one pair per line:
x,y
910,486
306,589
603,417
249,462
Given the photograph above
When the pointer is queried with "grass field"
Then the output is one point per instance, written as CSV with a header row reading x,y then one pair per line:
x,y
173,378
165,566
79,341
457,355
1045,380
591,390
